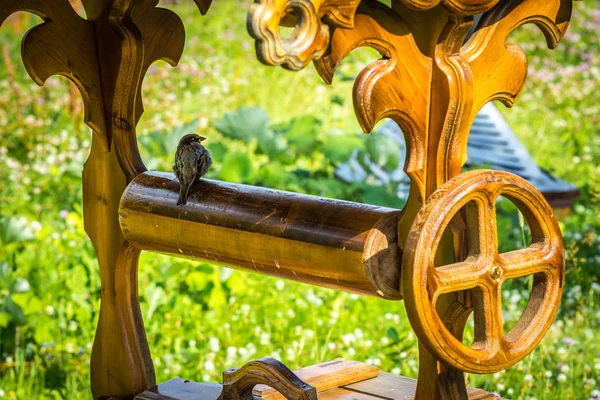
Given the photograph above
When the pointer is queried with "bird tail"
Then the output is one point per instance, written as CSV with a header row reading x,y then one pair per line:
x,y
184,190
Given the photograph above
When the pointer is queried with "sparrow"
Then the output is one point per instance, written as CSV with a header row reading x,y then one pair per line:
x,y
192,161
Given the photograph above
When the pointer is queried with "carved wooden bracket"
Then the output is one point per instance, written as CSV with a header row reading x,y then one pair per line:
x,y
429,82
312,19
496,70
63,45
238,383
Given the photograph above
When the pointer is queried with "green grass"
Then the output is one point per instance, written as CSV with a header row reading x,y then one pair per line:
x,y
201,319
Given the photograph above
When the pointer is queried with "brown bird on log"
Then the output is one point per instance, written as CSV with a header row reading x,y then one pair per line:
x,y
192,161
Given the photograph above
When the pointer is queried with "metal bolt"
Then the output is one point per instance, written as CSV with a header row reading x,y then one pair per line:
x,y
496,273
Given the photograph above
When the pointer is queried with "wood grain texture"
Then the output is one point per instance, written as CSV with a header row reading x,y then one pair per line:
x,y
312,20
428,80
384,387
491,69
63,45
433,84
483,271
460,7
326,242
121,362
397,86
394,387
324,376
238,383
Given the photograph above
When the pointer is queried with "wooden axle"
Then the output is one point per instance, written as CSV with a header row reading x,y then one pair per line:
x,y
331,243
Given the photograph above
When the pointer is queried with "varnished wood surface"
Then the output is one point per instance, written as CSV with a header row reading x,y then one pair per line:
x,y
63,45
483,271
311,35
432,85
315,240
428,80
324,376
238,384
384,387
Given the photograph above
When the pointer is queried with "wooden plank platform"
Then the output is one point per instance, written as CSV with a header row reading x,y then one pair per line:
x,y
341,380
325,376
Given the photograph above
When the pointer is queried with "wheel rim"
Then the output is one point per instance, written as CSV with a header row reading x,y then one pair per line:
x,y
483,271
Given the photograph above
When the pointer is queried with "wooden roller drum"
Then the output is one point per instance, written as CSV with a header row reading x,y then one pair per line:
x,y
331,243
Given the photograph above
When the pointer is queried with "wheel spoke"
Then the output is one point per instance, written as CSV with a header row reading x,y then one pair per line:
x,y
456,277
488,231
487,309
532,260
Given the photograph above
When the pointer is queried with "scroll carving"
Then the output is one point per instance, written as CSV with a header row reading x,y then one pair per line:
x,y
238,383
461,7
496,70
397,86
428,81
64,44
487,52
311,37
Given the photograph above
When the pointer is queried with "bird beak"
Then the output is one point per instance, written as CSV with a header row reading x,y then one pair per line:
x,y
201,138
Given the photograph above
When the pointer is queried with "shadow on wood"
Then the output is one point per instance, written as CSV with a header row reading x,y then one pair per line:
x,y
310,239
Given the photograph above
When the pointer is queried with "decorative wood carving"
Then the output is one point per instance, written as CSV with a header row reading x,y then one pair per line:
x,y
325,376
461,7
433,84
238,383
483,271
428,80
494,69
397,86
107,57
64,44
312,19
130,38
385,386
429,83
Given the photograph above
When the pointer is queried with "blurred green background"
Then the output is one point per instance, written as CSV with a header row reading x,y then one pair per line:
x,y
271,127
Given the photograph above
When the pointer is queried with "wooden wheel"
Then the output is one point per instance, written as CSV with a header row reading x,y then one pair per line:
x,y
483,271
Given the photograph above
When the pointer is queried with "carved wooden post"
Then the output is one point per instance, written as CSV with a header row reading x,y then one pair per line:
x,y
107,57
433,84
